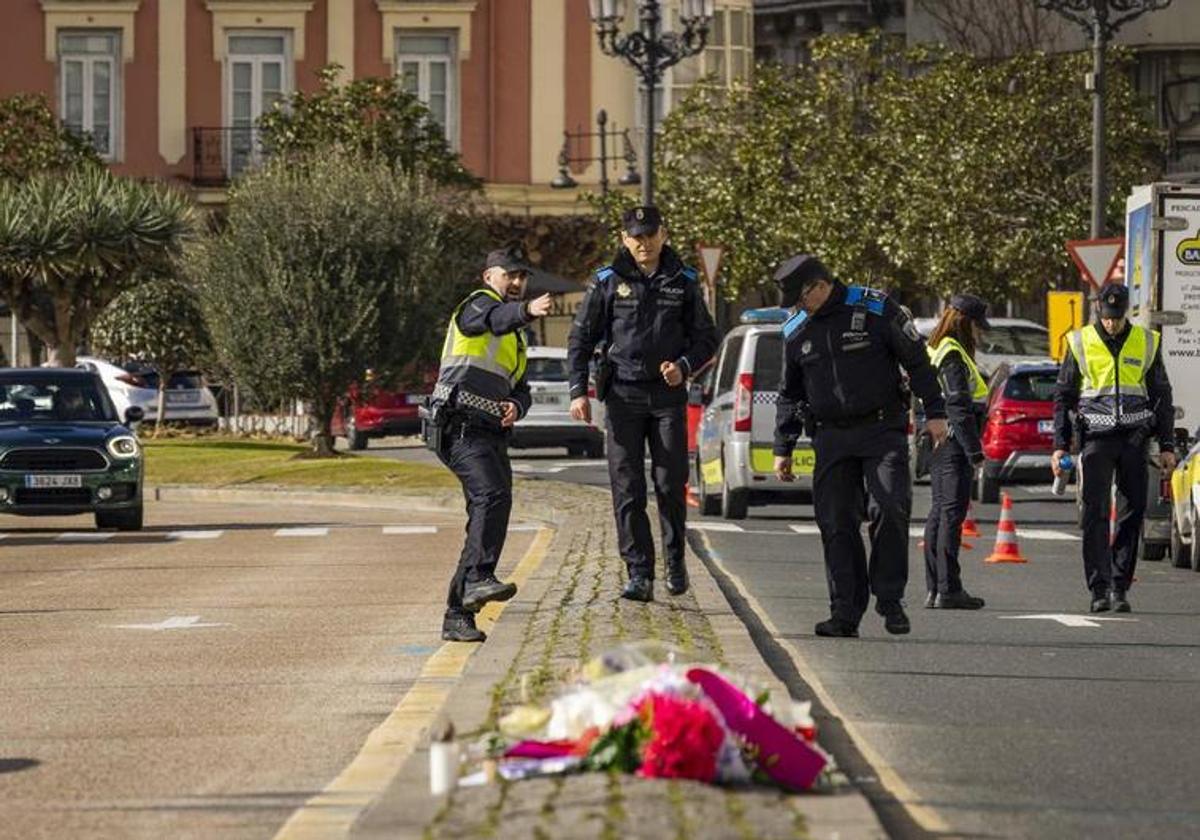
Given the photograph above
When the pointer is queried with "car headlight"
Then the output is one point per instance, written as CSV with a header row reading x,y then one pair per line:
x,y
124,446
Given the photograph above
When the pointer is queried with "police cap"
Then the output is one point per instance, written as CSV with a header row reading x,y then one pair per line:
x,y
796,274
639,221
973,307
509,259
1113,300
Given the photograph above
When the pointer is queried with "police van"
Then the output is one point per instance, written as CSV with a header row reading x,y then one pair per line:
x,y
735,466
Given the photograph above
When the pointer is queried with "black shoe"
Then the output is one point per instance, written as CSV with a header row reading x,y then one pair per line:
x,y
1100,603
677,577
960,600
475,595
836,628
894,619
639,589
930,600
460,627
1119,602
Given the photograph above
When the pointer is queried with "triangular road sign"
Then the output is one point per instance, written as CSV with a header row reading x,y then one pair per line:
x,y
1096,258
710,260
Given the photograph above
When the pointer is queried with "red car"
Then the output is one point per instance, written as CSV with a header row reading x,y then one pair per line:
x,y
1018,437
374,411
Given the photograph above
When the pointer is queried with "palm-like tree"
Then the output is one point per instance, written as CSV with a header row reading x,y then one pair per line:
x,y
71,241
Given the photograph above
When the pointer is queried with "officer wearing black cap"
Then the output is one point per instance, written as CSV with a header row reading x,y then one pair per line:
x,y
480,393
952,467
1114,382
844,348
647,313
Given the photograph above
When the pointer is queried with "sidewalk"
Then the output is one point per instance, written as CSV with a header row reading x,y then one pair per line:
x,y
567,612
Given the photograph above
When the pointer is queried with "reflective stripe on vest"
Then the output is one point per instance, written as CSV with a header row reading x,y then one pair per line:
x,y
979,388
487,365
1113,390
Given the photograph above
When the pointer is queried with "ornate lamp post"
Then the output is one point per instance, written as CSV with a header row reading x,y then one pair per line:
x,y
564,181
1100,20
651,51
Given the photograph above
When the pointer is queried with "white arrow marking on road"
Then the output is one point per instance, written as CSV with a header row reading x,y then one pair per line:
x,y
194,535
410,529
714,526
1067,620
302,532
175,622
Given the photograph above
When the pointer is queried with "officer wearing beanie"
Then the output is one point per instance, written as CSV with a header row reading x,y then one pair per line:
x,y
844,350
1114,382
646,312
480,393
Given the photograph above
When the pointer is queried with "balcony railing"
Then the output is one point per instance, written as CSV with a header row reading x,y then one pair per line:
x,y
221,154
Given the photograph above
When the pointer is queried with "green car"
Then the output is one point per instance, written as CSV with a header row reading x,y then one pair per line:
x,y
63,449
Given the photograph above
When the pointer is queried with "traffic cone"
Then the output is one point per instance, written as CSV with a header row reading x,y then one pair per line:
x,y
970,529
1112,522
690,496
1006,550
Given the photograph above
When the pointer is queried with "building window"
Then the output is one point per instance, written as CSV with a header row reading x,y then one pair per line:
x,y
89,67
258,75
426,64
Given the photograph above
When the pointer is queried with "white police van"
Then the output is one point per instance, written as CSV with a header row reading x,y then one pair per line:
x,y
735,465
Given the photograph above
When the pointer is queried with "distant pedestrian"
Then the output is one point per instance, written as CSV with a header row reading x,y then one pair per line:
x,y
952,465
1114,382
646,311
480,393
844,348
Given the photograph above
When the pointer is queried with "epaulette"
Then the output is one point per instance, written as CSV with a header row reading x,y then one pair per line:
x,y
603,273
873,299
791,325
690,273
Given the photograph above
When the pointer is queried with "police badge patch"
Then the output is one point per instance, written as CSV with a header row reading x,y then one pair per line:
x,y
806,347
623,290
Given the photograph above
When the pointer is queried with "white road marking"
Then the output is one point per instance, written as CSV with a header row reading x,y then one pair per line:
x,y
806,530
1045,534
536,469
194,535
525,526
714,526
302,532
410,529
175,622
1067,620
85,536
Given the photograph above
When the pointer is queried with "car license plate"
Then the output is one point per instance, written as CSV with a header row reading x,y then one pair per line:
x,y
44,481
183,398
413,399
1045,427
547,399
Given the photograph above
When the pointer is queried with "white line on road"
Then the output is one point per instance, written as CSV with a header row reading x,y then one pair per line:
x,y
806,530
194,535
85,536
175,622
714,526
1045,534
532,469
525,526
302,532
410,529
1067,620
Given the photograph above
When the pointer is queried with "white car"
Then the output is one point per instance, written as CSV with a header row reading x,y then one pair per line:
x,y
1009,340
549,421
186,400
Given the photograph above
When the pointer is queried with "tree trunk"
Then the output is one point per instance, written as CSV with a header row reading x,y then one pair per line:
x,y
162,402
323,438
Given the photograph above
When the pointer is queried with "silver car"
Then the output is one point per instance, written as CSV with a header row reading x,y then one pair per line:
x,y
549,422
735,466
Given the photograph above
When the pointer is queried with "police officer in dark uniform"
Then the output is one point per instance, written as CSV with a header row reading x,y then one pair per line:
x,y
844,348
480,393
1113,380
646,312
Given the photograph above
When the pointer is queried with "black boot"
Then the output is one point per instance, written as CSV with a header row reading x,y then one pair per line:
x,y
1100,603
836,628
960,600
1119,602
894,619
475,595
677,577
460,627
639,588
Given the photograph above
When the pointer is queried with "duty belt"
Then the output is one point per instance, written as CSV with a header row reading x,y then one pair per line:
x,y
465,399
880,416
1129,420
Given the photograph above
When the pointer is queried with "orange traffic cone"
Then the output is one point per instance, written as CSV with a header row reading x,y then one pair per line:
x,y
1112,522
970,529
1006,550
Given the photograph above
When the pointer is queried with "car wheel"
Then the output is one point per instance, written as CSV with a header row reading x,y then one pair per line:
x,y
1152,551
1180,553
1195,540
595,450
734,502
988,490
710,504
129,519
355,439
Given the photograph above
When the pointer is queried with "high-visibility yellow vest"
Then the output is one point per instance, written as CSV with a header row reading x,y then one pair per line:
x,y
979,388
1113,391
483,368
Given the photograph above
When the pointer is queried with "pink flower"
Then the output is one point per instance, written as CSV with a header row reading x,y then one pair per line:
x,y
684,742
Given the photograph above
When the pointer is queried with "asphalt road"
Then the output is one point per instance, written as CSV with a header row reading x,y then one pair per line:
x,y
205,677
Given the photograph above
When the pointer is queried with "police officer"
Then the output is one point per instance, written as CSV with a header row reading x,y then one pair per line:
x,y
480,393
647,311
952,352
1114,381
844,347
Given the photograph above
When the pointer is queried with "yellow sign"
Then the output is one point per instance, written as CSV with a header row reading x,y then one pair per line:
x,y
1064,313
762,460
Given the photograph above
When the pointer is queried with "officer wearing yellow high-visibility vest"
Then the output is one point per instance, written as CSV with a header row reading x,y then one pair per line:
x,y
480,393
952,465
1113,380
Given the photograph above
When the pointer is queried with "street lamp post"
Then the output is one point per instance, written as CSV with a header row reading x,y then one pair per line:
x,y
1100,20
650,51
564,181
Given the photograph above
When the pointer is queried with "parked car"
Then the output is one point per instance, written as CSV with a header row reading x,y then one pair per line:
x,y
1185,510
1018,436
63,449
549,421
735,465
187,399
374,410
1010,340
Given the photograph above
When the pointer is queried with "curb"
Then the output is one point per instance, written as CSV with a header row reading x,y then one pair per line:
x,y
433,502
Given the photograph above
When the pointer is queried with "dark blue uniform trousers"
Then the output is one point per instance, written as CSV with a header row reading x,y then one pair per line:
x,y
479,458
637,414
950,476
874,455
1102,459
